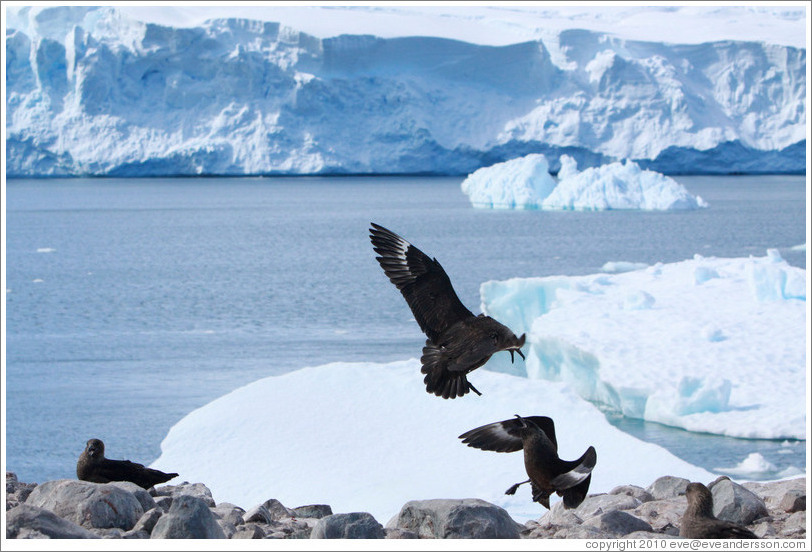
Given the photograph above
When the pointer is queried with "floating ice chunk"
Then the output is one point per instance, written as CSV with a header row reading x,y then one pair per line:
x,y
801,247
693,395
521,183
524,183
710,358
619,186
616,267
638,300
702,274
771,279
755,465
46,250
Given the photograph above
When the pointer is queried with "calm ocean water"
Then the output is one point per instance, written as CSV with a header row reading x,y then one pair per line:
x,y
132,302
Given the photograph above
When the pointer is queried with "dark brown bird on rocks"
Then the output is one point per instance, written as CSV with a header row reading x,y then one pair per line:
x,y
458,341
548,473
698,521
94,467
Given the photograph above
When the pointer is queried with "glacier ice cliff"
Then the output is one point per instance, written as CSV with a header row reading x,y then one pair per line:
x,y
92,92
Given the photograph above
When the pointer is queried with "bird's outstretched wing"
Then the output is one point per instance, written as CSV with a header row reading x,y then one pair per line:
x,y
422,281
505,436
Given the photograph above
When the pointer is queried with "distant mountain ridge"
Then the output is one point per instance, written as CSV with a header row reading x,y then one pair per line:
x,y
91,92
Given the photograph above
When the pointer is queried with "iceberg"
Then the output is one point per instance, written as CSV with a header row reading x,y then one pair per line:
x,y
369,438
712,345
524,183
106,91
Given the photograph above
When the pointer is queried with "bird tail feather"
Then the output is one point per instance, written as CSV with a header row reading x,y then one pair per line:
x,y
438,379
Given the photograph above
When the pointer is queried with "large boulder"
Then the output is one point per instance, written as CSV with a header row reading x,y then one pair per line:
x,y
469,518
189,517
141,494
732,502
197,490
356,525
30,522
317,511
668,486
618,523
91,505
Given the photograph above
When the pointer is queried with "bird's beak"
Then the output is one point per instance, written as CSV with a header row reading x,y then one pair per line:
x,y
521,420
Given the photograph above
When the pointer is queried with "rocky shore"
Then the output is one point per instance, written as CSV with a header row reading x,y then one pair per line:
x,y
69,508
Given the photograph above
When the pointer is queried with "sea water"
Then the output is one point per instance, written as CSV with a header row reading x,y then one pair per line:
x,y
131,302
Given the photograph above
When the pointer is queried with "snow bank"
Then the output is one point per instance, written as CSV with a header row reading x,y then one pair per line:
x,y
524,183
709,344
367,437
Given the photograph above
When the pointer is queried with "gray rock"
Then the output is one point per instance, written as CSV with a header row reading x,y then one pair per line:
x,y
141,494
16,492
356,525
662,515
618,523
258,514
229,512
601,503
558,516
277,509
582,532
163,502
667,486
111,533
773,492
197,490
132,534
733,502
317,511
188,518
634,491
31,522
249,531
147,522
794,527
648,535
394,533
228,528
91,505
469,518
794,500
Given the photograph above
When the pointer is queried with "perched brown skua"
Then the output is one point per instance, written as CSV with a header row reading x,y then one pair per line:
x,y
93,466
698,521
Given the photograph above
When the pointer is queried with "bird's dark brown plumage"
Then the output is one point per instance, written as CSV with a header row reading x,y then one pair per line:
x,y
547,473
93,466
698,521
458,341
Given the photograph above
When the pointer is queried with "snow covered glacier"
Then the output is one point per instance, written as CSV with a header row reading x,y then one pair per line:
x,y
91,91
710,345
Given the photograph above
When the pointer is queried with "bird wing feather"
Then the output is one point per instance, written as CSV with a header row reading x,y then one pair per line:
x,y
421,280
502,436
